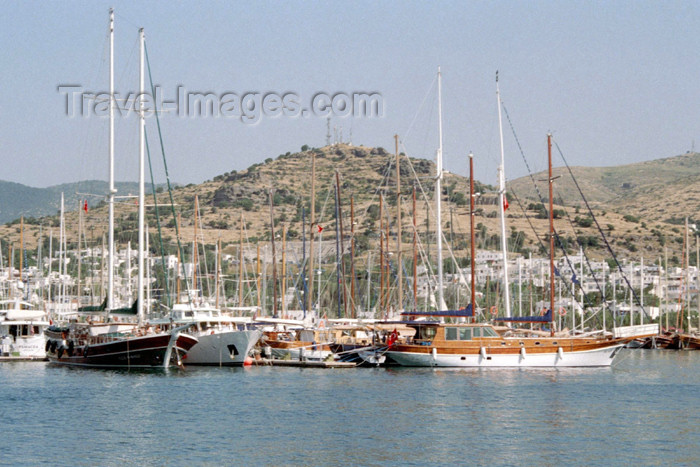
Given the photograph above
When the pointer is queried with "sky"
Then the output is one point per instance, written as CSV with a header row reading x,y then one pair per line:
x,y
615,82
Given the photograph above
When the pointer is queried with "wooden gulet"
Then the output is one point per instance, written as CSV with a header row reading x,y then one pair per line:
x,y
472,344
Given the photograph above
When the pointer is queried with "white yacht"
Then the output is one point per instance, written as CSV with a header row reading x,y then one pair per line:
x,y
22,331
224,340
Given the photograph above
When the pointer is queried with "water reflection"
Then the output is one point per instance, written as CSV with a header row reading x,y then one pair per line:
x,y
641,411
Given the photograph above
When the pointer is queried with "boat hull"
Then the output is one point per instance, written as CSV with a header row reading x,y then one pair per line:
x,y
136,352
596,357
23,348
228,348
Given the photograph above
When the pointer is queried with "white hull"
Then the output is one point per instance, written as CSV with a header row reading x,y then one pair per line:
x,y
223,348
33,347
590,358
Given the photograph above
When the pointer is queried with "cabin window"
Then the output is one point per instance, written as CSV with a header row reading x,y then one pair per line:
x,y
488,332
427,333
465,334
477,332
451,334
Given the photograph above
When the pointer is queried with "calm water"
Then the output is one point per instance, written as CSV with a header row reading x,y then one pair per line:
x,y
643,411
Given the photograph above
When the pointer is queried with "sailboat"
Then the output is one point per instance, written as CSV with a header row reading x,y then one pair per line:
x,y
142,346
480,345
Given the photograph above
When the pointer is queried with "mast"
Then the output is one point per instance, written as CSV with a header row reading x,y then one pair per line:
x,y
338,273
218,271
142,190
303,261
195,248
284,269
258,276
502,206
438,196
240,263
311,233
80,230
551,234
399,263
471,235
179,266
415,254
21,248
381,254
112,190
352,258
342,244
274,256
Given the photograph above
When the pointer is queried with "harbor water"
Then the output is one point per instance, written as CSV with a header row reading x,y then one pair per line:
x,y
642,411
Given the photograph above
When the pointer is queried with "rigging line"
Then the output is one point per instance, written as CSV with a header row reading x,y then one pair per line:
x,y
167,177
160,233
420,108
537,190
588,262
600,230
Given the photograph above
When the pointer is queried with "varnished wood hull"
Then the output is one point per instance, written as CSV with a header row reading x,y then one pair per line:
x,y
494,353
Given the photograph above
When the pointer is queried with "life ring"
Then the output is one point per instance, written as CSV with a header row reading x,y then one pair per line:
x,y
562,311
494,310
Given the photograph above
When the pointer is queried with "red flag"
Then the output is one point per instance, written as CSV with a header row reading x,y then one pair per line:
x,y
393,337
320,229
85,208
505,203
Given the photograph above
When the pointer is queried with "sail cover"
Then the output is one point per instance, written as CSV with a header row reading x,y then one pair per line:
x,y
545,318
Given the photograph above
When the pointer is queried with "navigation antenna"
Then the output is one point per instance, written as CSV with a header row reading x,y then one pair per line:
x,y
328,131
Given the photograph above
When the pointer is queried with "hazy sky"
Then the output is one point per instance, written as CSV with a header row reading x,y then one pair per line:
x,y
615,81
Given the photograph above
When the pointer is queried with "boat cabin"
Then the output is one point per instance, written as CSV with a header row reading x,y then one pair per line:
x,y
428,332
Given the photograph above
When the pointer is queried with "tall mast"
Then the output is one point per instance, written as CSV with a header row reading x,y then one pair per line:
x,y
399,263
240,263
471,234
342,244
381,254
195,248
551,233
218,270
311,232
438,196
352,258
415,254
179,266
112,190
284,270
340,282
142,190
274,255
502,206
21,250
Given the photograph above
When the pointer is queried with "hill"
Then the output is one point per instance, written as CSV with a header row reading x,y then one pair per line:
x,y
20,200
639,206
